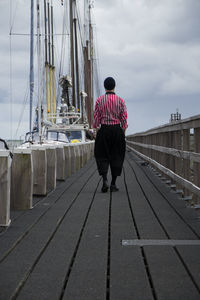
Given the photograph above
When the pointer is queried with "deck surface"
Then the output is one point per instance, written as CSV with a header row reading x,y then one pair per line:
x,y
141,243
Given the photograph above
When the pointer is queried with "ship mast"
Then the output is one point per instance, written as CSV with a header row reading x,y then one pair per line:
x,y
88,60
31,65
39,72
53,66
76,61
71,11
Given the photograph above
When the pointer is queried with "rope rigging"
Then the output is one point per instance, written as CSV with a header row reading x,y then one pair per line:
x,y
61,49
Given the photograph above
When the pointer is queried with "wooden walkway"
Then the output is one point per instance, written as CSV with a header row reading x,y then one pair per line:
x,y
141,243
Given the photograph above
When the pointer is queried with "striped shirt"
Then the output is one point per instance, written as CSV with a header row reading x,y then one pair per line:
x,y
110,109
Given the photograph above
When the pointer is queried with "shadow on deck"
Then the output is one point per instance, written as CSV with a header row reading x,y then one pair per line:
x,y
79,244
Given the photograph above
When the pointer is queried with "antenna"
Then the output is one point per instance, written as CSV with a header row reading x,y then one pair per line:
x,y
175,117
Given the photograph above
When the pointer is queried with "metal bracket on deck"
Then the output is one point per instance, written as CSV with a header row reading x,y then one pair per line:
x,y
141,243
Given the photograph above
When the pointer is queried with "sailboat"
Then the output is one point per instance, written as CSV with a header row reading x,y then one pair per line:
x,y
68,119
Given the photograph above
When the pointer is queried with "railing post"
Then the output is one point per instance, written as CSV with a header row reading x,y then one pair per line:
x,y
178,160
186,162
157,144
171,145
178,146
153,143
197,149
166,144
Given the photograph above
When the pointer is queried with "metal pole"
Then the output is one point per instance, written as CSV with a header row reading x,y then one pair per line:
x,y
72,51
53,67
31,65
39,70
91,66
77,65
50,60
46,57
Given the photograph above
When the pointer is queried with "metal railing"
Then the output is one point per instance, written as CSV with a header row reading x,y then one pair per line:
x,y
69,117
174,149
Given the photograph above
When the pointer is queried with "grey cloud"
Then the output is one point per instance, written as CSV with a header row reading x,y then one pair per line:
x,y
151,47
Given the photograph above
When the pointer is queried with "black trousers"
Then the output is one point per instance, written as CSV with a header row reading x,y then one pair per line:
x,y
110,149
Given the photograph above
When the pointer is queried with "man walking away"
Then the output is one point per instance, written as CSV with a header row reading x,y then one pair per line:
x,y
110,117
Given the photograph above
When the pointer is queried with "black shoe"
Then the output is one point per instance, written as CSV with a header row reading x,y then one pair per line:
x,y
104,188
113,188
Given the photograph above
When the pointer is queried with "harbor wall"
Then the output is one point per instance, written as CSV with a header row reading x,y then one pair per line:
x,y
35,170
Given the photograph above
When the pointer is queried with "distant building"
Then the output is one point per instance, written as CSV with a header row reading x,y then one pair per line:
x,y
175,117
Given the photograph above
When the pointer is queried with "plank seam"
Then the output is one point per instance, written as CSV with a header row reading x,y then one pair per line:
x,y
23,281
37,220
77,247
175,210
138,235
187,269
109,250
130,206
153,210
149,274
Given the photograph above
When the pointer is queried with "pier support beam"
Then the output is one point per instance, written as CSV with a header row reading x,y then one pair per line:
x,y
39,170
5,162
68,161
21,179
78,157
73,158
51,168
60,162
82,149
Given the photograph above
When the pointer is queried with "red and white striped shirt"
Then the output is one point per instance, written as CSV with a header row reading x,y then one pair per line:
x,y
110,109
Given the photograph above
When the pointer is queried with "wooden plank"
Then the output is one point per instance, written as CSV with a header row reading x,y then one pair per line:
x,y
56,262
51,168
60,162
21,194
170,278
141,208
190,256
88,276
73,249
172,223
21,226
19,264
127,275
39,157
189,215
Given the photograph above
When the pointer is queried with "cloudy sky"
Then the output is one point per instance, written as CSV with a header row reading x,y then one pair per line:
x,y
151,48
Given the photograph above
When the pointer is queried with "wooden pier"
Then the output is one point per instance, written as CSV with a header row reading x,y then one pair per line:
x,y
141,243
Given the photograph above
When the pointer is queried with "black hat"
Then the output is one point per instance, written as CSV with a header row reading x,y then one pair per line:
x,y
109,83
